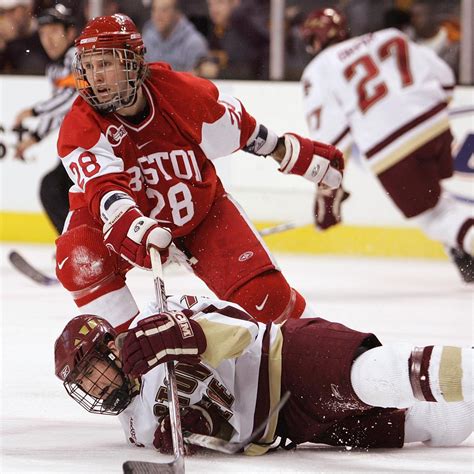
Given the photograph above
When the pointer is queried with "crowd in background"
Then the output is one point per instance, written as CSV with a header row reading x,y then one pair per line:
x,y
228,39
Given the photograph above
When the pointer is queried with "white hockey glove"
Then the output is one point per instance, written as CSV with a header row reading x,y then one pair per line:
x,y
315,161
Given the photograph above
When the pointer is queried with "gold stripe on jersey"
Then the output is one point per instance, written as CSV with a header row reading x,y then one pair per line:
x,y
274,375
224,341
409,146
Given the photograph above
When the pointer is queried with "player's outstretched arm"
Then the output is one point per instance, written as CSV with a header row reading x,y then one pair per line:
x,y
315,161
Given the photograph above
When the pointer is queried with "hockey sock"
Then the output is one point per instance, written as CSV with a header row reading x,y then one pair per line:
x,y
399,375
439,424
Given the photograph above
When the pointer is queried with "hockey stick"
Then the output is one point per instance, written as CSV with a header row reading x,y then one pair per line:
x,y
228,447
176,466
283,227
28,270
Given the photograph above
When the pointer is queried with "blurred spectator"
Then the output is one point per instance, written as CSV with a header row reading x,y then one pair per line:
x,y
139,10
169,36
20,48
109,7
399,19
239,40
296,56
442,38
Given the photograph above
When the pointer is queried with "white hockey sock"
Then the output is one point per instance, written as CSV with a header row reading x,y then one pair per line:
x,y
380,376
439,424
442,373
446,220
122,302
399,375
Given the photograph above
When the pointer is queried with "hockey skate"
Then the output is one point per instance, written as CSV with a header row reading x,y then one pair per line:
x,y
464,262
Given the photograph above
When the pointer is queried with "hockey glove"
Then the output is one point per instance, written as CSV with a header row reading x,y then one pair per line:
x,y
315,161
327,207
130,234
161,338
194,419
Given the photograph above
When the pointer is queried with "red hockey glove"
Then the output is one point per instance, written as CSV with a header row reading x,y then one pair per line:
x,y
327,207
130,235
315,161
161,338
194,419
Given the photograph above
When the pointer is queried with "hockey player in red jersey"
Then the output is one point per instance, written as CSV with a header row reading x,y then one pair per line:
x,y
139,144
346,388
389,97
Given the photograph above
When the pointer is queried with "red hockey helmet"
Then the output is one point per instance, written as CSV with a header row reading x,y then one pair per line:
x,y
115,31
327,26
110,65
89,369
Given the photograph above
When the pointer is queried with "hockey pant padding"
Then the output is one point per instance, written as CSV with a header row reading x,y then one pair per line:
x,y
399,375
413,182
87,269
269,297
449,222
439,424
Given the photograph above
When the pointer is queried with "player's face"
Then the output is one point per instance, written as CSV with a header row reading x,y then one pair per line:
x,y
99,378
106,73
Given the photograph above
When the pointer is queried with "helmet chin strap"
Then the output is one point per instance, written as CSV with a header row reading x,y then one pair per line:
x,y
118,399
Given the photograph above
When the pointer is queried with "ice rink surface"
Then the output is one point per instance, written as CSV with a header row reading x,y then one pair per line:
x,y
418,301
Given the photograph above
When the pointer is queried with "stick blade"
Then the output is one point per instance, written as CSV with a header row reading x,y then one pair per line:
x,y
230,447
31,272
143,467
210,442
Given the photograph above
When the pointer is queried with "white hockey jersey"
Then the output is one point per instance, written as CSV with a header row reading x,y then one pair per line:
x,y
234,376
381,91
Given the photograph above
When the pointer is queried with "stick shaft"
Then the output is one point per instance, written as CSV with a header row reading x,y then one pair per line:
x,y
173,401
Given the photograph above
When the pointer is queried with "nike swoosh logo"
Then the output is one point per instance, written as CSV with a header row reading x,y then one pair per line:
x,y
144,144
61,264
260,306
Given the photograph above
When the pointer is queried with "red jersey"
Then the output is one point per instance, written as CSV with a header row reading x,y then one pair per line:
x,y
164,162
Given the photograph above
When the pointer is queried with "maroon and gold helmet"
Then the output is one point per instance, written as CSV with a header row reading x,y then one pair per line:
x,y
327,26
110,66
89,369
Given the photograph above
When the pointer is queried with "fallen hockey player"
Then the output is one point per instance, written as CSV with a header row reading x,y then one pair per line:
x,y
346,388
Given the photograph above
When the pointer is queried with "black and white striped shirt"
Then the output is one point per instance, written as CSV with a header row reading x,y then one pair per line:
x,y
52,110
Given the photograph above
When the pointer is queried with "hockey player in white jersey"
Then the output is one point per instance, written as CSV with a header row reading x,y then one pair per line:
x,y
346,388
389,97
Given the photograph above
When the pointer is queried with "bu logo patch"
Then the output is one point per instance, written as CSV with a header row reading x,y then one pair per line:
x,y
115,134
246,256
